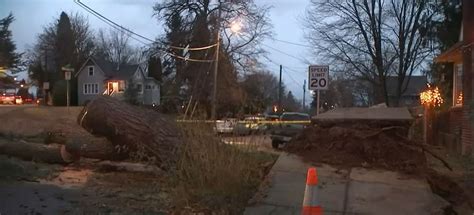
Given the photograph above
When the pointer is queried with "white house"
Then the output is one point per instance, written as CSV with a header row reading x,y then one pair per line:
x,y
100,77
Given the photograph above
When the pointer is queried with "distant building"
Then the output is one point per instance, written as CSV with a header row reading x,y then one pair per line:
x,y
100,77
411,95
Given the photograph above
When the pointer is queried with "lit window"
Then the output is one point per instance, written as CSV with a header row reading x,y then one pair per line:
x,y
457,85
91,71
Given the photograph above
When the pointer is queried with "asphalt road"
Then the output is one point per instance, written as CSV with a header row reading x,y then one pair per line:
x,y
8,108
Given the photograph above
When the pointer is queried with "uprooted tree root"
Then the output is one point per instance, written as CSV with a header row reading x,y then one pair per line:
x,y
359,145
449,190
353,146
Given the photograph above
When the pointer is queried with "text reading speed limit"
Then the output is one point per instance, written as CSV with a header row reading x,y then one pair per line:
x,y
318,77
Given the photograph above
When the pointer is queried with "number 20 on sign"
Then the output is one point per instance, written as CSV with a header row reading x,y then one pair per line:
x,y
318,77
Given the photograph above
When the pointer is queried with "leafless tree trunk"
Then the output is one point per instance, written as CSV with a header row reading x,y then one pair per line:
x,y
409,38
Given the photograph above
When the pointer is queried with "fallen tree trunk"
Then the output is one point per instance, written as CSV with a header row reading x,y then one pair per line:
x,y
36,151
143,132
93,147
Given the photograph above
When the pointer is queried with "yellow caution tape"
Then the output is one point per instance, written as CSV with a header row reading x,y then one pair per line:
x,y
247,121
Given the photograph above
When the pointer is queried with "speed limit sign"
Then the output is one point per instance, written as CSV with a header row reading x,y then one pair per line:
x,y
318,77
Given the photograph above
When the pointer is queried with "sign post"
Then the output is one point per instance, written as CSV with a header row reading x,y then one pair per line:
x,y
45,90
67,76
318,77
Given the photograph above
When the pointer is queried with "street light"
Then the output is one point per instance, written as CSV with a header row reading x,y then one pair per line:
x,y
236,26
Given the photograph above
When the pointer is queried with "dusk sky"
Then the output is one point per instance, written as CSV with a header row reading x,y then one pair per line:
x,y
32,15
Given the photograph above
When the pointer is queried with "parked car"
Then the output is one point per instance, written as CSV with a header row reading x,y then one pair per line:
x,y
272,117
225,126
251,124
9,98
292,124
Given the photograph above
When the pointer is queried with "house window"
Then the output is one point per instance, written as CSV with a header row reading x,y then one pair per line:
x,y
139,87
148,87
91,71
457,85
91,89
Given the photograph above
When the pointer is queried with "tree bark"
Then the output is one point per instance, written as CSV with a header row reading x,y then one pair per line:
x,y
131,129
36,151
93,147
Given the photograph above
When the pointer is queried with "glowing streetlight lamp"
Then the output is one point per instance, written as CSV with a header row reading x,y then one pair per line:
x,y
236,27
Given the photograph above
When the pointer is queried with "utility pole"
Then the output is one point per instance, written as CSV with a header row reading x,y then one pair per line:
x,y
304,95
279,90
216,65
45,91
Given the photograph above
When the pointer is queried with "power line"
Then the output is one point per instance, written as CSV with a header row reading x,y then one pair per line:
x,y
282,52
293,79
293,70
121,28
194,49
189,59
108,21
293,43
288,74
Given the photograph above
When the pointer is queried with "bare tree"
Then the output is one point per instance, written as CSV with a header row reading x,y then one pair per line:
x,y
371,38
196,23
410,37
115,46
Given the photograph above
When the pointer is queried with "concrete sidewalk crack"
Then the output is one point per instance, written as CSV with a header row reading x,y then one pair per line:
x,y
346,191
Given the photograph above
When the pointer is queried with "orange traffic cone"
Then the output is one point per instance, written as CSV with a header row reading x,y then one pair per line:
x,y
311,199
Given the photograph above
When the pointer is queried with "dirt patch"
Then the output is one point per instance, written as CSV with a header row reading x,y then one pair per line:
x,y
360,146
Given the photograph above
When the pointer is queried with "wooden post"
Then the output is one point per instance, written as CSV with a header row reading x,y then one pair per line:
x,y
317,103
428,125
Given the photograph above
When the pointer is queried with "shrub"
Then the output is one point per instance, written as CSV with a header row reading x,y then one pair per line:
x,y
216,175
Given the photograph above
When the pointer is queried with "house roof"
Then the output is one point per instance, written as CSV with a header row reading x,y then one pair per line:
x,y
113,71
415,86
453,54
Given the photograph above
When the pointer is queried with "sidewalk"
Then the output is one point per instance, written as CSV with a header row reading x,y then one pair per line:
x,y
358,191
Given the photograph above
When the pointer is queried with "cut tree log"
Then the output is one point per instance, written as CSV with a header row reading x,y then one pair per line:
x,y
93,147
132,129
36,151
